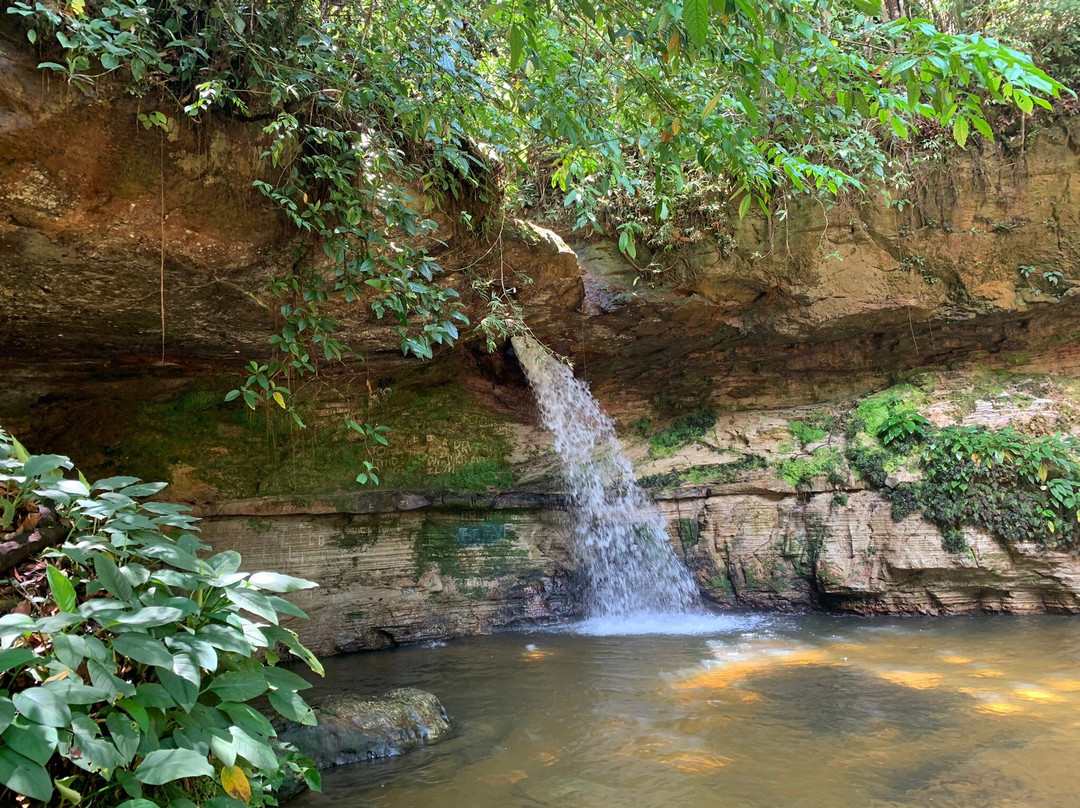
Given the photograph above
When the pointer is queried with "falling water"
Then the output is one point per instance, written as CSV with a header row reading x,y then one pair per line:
x,y
621,536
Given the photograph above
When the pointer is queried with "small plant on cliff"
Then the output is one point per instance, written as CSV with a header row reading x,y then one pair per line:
x,y
126,671
682,431
805,432
902,429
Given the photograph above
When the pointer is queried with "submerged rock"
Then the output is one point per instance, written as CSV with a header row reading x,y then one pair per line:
x,y
352,729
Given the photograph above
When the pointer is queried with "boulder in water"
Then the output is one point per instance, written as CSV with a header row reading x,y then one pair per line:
x,y
351,729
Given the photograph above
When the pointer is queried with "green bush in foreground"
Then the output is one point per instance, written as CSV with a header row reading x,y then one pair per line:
x,y
128,681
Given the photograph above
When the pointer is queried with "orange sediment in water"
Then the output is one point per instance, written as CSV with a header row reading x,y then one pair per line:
x,y
1062,685
919,680
1032,694
999,708
722,675
695,762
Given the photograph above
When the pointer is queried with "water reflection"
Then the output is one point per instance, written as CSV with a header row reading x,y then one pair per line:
x,y
795,712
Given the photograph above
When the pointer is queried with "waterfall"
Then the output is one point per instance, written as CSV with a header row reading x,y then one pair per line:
x,y
620,535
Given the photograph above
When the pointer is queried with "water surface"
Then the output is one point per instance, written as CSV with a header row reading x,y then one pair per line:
x,y
745,712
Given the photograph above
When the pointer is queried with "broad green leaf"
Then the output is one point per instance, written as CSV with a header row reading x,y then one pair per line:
x,y
7,713
166,765
239,685
142,649
111,578
148,617
31,740
284,679
112,483
42,707
15,625
38,465
125,735
15,658
276,582
255,751
183,691
960,131
136,711
24,776
696,17
249,718
292,706
63,591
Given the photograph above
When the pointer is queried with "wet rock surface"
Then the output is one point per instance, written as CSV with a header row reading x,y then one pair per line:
x,y
351,729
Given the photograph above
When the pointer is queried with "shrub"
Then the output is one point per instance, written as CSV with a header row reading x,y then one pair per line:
x,y
870,464
128,675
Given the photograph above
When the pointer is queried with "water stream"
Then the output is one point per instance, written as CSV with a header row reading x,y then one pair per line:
x,y
770,711
620,536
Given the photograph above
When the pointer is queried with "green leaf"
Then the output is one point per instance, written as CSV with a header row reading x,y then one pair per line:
x,y
239,685
112,483
7,712
63,591
292,706
255,751
67,793
111,577
42,707
125,735
137,712
695,16
149,617
38,465
143,649
15,658
517,45
32,740
960,131
248,717
23,776
276,582
182,690
166,765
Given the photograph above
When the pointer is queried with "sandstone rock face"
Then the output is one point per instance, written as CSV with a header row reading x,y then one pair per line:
x,y
352,729
769,550
408,573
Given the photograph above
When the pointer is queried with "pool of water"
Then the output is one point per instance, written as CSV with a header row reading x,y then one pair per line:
x,y
744,711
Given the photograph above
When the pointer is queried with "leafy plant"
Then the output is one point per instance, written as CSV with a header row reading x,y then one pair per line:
x,y
129,672
902,429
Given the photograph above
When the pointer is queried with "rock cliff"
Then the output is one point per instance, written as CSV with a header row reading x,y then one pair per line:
x,y
761,325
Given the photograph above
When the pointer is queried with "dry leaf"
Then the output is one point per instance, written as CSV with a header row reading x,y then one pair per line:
x,y
235,783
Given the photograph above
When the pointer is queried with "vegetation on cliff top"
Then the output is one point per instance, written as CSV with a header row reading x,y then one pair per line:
x,y
130,656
